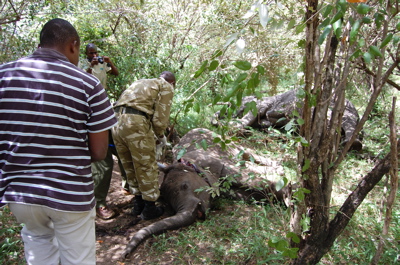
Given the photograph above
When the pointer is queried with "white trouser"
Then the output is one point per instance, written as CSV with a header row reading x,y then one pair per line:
x,y
52,237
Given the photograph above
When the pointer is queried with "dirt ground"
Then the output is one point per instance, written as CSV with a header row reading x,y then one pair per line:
x,y
113,235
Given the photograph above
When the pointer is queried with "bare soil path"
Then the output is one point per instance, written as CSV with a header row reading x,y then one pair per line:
x,y
113,235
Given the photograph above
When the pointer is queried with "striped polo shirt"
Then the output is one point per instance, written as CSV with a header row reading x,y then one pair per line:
x,y
47,108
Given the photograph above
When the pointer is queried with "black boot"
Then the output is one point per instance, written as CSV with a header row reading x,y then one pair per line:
x,y
151,211
138,205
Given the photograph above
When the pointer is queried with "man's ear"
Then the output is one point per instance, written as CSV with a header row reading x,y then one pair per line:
x,y
74,49
74,46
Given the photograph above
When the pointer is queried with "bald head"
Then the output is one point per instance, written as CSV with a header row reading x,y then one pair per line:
x,y
57,33
169,77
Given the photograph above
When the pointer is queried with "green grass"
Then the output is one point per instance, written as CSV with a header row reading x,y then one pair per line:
x,y
236,233
11,246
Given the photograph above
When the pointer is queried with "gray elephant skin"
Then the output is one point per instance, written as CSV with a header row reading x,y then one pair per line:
x,y
178,190
276,111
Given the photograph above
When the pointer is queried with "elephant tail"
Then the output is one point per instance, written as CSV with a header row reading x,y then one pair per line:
x,y
181,219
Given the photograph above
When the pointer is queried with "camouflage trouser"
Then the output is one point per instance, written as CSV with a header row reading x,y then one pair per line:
x,y
134,139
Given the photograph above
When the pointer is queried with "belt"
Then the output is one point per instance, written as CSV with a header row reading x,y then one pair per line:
x,y
129,110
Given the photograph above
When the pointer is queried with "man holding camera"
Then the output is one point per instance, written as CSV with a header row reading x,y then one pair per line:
x,y
101,170
98,66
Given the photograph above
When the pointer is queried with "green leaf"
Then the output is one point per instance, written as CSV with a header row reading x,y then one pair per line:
x,y
337,27
291,252
295,238
217,98
378,19
223,146
367,57
306,165
327,11
196,107
216,140
239,97
181,153
188,106
256,79
304,142
366,20
260,69
251,106
289,126
241,77
325,23
232,91
355,55
272,242
343,5
204,144
242,65
250,84
325,33
396,39
363,9
223,111
386,40
281,245
398,26
291,24
337,16
300,28
201,70
281,119
375,51
213,65
354,31
281,184
216,54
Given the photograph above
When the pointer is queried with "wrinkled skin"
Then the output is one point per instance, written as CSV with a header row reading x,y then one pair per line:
x,y
178,190
253,180
277,111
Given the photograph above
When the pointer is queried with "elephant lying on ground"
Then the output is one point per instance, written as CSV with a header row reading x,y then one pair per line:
x,y
277,111
178,190
255,176
199,168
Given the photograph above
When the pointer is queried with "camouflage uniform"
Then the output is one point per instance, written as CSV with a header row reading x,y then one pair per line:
x,y
134,135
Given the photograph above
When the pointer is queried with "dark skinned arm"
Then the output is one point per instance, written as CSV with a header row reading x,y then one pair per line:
x,y
98,145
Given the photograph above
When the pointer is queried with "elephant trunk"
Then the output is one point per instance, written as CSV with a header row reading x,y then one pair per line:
x,y
181,219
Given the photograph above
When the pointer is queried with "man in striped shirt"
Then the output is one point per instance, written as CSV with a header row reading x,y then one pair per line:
x,y
54,120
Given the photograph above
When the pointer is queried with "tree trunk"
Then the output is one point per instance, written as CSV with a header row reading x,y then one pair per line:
x,y
313,248
320,158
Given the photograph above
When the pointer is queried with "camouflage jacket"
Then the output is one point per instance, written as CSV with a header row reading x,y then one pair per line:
x,y
152,96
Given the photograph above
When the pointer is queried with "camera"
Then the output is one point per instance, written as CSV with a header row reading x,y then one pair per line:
x,y
100,59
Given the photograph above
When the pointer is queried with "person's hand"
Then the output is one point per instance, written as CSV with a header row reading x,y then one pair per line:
x,y
106,59
94,61
161,142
